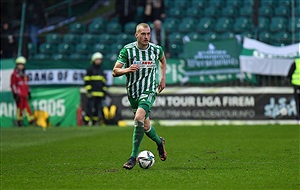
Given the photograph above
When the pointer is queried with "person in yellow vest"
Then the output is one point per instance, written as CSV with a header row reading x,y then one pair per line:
x,y
95,86
294,76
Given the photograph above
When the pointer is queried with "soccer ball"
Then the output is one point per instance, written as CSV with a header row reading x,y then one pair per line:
x,y
145,159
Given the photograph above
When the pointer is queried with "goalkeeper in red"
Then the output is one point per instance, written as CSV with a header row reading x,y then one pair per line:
x,y
138,60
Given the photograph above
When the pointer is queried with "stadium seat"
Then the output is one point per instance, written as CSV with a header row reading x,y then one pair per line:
x,y
88,38
71,38
194,36
113,28
248,3
78,56
265,11
77,28
186,25
294,24
242,24
217,3
206,24
181,4
284,3
246,11
47,48
211,12
31,49
129,27
53,38
99,20
125,38
229,11
278,24
282,11
83,48
175,37
41,56
223,24
270,3
170,24
175,12
210,36
194,12
263,23
65,48
225,36
175,49
116,47
264,36
282,37
107,38
199,3
59,56
103,48
234,3
96,28
248,34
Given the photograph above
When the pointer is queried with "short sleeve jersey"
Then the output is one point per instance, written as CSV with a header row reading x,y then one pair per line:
x,y
144,79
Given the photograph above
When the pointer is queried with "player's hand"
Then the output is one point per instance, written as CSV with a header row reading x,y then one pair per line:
x,y
161,85
133,68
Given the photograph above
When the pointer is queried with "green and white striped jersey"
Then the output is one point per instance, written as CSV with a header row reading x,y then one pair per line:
x,y
144,79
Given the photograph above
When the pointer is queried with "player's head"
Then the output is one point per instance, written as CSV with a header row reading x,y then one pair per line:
x,y
142,34
97,58
20,62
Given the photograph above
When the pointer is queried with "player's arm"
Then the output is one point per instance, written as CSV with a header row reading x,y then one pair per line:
x,y
162,65
118,69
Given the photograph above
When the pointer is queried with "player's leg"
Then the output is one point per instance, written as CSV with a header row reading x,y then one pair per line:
x,y
137,137
151,132
19,114
27,111
160,142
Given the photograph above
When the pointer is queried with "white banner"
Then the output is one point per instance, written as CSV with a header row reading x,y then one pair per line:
x,y
264,59
60,76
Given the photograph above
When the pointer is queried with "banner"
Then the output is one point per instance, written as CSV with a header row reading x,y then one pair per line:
x,y
62,72
60,103
264,59
213,106
7,67
213,61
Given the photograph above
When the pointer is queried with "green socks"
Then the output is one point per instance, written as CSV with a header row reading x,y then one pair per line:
x,y
151,133
138,134
137,138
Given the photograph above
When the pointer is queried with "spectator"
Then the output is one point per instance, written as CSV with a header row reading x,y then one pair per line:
x,y
7,41
95,90
294,76
36,19
126,11
158,36
153,10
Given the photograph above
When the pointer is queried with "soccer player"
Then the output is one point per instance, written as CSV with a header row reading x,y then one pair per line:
x,y
137,60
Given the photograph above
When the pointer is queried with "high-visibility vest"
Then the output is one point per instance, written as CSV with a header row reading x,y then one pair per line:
x,y
296,74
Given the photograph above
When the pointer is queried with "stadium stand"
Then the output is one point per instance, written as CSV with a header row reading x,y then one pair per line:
x,y
197,19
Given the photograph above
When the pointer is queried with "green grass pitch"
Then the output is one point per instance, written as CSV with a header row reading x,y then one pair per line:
x,y
203,157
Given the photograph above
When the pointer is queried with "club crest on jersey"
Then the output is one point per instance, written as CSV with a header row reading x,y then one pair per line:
x,y
153,57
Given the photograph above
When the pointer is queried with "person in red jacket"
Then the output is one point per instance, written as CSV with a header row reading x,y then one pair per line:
x,y
20,91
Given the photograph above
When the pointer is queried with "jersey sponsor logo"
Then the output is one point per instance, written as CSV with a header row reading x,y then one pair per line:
x,y
145,64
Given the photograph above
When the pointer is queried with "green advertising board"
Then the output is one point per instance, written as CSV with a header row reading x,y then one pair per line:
x,y
60,103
